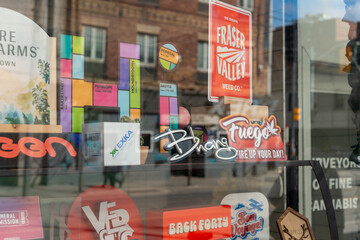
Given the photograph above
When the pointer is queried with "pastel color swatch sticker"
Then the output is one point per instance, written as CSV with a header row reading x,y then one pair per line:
x,y
82,93
174,109
123,103
78,45
135,114
135,84
164,111
105,95
65,46
78,66
167,89
163,141
65,104
124,74
128,50
65,68
77,119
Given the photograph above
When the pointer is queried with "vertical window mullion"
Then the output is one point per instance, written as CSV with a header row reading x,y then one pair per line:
x,y
146,43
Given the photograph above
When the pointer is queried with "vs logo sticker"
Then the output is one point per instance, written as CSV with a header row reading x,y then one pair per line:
x,y
105,213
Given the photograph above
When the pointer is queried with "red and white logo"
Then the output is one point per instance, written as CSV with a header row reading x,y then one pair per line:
x,y
106,213
230,52
254,142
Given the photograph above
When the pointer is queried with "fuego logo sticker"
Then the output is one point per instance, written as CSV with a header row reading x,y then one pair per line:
x,y
254,142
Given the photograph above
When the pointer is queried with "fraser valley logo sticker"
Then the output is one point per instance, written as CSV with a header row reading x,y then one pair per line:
x,y
111,224
230,63
230,52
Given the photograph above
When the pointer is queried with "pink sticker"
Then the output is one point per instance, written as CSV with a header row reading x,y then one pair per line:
x,y
164,111
105,95
65,68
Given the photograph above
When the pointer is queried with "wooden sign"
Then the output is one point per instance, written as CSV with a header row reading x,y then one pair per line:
x,y
294,226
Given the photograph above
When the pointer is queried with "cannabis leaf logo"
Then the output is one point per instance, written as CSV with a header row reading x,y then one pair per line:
x,y
271,127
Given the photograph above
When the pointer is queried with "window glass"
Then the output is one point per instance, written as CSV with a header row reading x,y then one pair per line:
x,y
115,113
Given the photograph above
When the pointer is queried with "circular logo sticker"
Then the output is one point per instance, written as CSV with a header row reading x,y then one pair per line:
x,y
104,212
169,56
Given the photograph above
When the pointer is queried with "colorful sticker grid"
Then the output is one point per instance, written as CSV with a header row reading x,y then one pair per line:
x,y
129,89
75,93
169,109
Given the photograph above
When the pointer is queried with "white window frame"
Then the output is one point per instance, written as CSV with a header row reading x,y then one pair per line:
x,y
94,31
248,4
145,63
205,57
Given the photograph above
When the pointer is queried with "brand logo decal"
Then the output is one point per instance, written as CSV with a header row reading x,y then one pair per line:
x,y
253,141
186,145
13,218
245,224
111,224
230,63
32,147
122,143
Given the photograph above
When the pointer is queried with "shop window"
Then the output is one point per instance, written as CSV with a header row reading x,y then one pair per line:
x,y
204,6
202,61
95,46
148,47
248,4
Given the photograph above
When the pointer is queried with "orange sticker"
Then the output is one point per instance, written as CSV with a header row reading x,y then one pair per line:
x,y
197,223
163,141
169,55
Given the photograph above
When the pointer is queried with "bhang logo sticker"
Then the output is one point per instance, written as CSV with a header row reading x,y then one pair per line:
x,y
249,215
254,142
106,213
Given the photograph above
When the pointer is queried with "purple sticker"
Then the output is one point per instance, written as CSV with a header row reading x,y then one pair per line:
x,y
124,74
65,104
173,107
128,50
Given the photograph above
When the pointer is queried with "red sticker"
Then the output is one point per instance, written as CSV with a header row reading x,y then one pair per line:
x,y
106,213
252,141
230,52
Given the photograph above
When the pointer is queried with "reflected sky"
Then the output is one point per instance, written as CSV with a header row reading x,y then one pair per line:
x,y
330,9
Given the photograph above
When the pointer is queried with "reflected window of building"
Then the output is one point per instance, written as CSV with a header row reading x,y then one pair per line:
x,y
248,4
95,47
149,1
148,47
202,61
204,6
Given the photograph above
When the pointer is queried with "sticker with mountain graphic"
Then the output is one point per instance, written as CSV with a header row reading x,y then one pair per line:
x,y
230,52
